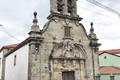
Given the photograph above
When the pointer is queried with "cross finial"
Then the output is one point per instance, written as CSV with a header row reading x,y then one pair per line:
x,y
35,14
35,17
91,23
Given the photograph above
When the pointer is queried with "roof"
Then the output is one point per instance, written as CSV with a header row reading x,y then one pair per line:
x,y
112,51
11,46
109,70
26,41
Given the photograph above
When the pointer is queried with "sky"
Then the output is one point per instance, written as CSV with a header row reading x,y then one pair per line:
x,y
16,19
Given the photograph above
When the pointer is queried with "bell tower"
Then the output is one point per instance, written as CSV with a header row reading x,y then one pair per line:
x,y
64,7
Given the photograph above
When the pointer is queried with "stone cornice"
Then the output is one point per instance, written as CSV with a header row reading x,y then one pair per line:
x,y
64,16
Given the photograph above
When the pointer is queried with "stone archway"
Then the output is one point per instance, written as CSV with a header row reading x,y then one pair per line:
x,y
71,60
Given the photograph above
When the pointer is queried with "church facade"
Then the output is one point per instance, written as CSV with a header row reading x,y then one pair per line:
x,y
62,50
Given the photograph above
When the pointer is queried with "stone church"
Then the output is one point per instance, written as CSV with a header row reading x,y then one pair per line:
x,y
62,50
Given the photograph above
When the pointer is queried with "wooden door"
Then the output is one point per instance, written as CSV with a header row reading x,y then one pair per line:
x,y
68,75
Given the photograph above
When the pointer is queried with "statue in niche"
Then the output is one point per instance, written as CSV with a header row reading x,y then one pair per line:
x,y
60,6
68,48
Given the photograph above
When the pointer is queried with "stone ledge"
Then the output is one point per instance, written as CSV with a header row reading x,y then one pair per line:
x,y
64,16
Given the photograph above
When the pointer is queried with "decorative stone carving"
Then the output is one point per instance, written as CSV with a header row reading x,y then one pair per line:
x,y
77,23
56,20
67,21
36,51
68,46
68,50
74,63
57,45
64,63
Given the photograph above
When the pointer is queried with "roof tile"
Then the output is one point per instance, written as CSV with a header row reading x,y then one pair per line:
x,y
10,46
109,70
112,51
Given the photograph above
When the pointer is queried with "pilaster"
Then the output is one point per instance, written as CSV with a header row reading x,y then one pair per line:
x,y
53,6
34,71
65,8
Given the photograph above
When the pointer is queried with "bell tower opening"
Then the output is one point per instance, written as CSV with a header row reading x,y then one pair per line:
x,y
59,6
69,6
64,7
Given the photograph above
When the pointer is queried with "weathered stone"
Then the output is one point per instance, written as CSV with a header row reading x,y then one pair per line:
x,y
62,51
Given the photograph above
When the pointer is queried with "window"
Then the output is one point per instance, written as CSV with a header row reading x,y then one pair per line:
x,y
67,31
68,75
105,57
15,60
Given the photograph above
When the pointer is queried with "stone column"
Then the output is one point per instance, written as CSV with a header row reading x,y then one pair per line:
x,y
83,74
74,8
65,7
34,72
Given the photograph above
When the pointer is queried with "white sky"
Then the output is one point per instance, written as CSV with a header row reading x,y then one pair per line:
x,y
16,16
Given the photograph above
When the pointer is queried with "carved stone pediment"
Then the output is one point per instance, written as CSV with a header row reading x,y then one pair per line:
x,y
68,50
